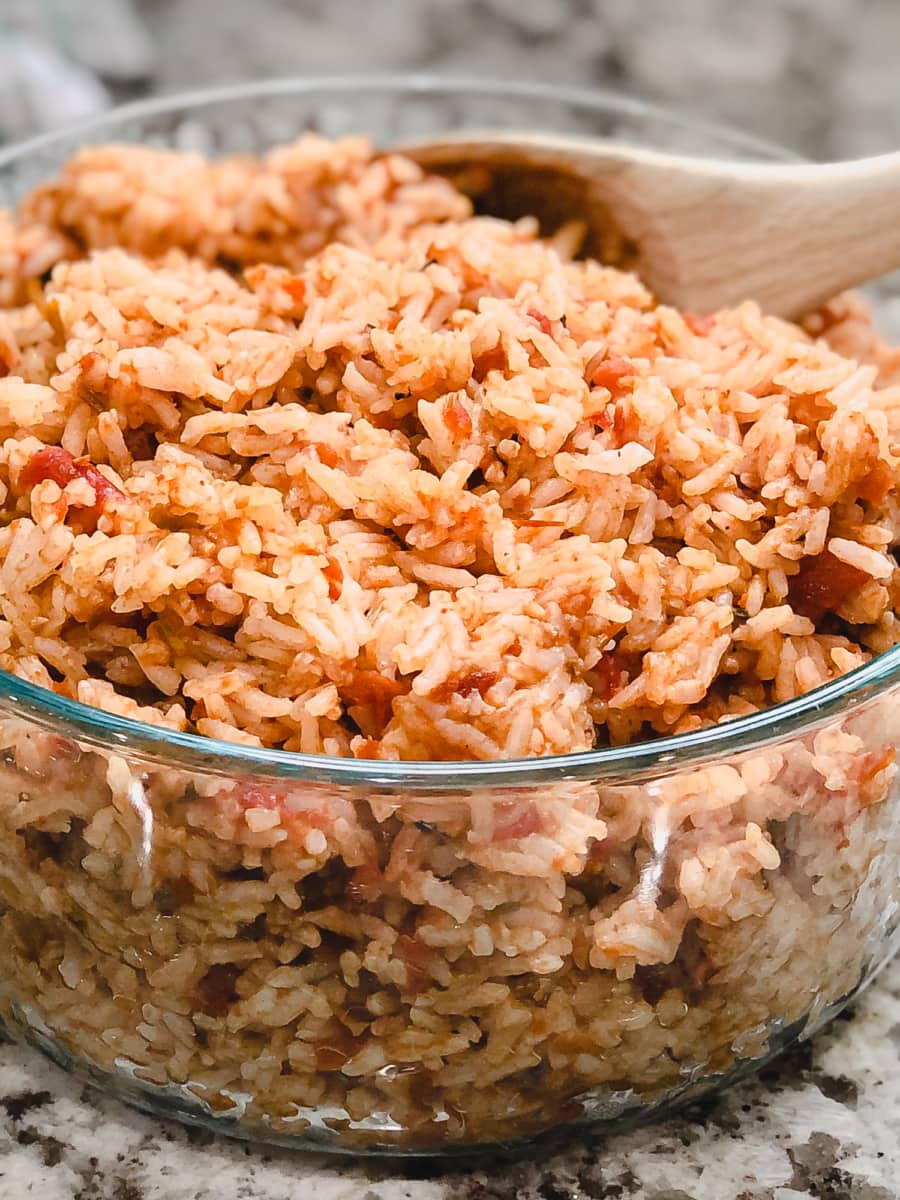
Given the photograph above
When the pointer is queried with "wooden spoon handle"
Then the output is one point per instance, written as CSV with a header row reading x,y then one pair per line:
x,y
788,236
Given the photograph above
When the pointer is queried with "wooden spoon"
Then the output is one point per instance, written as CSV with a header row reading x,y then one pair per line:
x,y
702,234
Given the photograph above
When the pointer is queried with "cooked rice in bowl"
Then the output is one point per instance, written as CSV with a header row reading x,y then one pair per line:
x,y
300,454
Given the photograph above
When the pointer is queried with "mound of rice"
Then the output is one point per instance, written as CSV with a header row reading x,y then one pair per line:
x,y
299,453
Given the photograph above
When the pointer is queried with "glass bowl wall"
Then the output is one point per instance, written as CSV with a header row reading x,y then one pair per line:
x,y
409,958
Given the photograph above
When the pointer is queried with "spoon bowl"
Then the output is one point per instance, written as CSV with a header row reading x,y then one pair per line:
x,y
703,234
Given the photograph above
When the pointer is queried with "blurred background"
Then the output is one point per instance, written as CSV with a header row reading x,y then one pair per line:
x,y
820,76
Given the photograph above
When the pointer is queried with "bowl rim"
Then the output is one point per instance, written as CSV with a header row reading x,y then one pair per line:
x,y
161,746
418,82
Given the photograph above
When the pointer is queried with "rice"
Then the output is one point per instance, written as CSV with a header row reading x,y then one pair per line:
x,y
299,453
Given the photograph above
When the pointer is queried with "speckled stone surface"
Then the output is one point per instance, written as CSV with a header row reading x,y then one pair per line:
x,y
824,1122
818,75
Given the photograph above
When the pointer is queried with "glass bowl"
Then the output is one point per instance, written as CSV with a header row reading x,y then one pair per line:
x,y
246,939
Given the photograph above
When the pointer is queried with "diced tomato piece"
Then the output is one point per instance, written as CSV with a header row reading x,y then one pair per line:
x,y
369,689
295,287
335,576
103,489
366,884
607,678
491,360
8,357
476,681
53,462
339,1048
516,820
90,362
258,795
215,991
875,486
604,420
822,585
368,748
611,372
624,425
331,1058
414,954
173,894
62,747
540,320
599,850
457,419
465,685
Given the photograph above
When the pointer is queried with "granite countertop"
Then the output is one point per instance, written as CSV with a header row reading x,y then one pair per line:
x,y
822,1122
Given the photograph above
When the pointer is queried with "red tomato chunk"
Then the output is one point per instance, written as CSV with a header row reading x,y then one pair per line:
x,y
59,465
822,585
611,372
